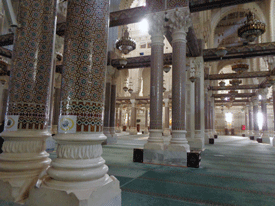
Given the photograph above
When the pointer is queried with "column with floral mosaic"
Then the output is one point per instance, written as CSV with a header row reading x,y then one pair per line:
x,y
27,116
79,168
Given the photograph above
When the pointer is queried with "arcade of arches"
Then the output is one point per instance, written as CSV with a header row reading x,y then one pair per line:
x,y
63,89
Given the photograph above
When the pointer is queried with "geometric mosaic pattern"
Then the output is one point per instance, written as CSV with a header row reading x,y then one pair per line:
x,y
85,61
89,114
30,77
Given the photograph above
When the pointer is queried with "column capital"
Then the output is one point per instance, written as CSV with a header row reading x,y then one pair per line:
x,y
156,27
166,101
255,100
179,22
133,102
263,92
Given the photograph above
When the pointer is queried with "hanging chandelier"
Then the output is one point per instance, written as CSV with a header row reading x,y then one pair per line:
x,y
125,44
235,82
252,28
233,93
123,62
166,68
222,84
221,52
240,68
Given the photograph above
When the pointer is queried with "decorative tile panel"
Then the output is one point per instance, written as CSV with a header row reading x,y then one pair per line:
x,y
30,80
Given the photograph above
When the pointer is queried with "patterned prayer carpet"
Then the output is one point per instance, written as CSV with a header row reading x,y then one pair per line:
x,y
234,171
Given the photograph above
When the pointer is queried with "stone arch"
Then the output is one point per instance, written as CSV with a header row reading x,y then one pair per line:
x,y
216,18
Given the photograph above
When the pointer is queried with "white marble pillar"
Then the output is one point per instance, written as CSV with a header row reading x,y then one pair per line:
x,y
166,131
146,120
265,136
133,126
250,117
199,105
255,101
156,30
179,23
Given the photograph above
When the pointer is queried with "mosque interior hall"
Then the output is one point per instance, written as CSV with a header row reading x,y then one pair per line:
x,y
137,102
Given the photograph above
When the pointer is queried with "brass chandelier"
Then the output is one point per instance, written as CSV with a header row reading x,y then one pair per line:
x,y
240,68
125,44
252,28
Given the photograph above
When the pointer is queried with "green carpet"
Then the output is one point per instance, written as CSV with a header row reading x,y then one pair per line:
x,y
234,171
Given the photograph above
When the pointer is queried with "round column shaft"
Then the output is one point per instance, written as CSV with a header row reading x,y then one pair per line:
x,y
156,30
28,110
166,130
113,110
179,23
107,108
133,129
255,101
250,116
79,163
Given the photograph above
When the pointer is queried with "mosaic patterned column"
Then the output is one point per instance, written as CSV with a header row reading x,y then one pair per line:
x,y
166,130
265,136
255,101
179,23
107,105
79,163
250,117
133,129
156,30
27,116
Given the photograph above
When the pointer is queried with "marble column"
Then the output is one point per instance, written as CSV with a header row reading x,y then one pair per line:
x,y
119,119
199,105
27,116
113,139
212,104
56,108
107,109
128,120
146,120
156,30
255,101
245,120
265,137
79,175
206,112
133,129
166,130
273,96
179,23
3,99
250,117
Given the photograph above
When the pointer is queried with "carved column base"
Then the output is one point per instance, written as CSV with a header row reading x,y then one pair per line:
x,y
198,142
54,129
206,136
111,138
118,130
179,141
266,137
146,131
256,134
133,131
106,132
94,194
166,132
22,161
